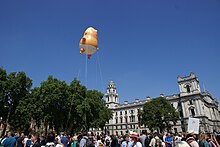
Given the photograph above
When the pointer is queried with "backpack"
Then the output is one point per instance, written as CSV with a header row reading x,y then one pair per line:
x,y
28,143
147,141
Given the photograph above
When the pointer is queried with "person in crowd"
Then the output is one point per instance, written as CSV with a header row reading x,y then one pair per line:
x,y
182,144
83,140
64,140
135,143
74,141
43,139
107,141
114,141
98,141
191,140
10,141
35,139
50,140
162,142
125,141
154,141
164,136
20,140
169,140
28,141
16,135
143,137
3,139
202,141
210,139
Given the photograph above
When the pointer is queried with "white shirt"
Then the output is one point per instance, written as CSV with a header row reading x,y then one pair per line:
x,y
194,144
98,142
163,144
138,144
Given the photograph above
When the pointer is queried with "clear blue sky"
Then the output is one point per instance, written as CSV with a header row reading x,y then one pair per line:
x,y
144,45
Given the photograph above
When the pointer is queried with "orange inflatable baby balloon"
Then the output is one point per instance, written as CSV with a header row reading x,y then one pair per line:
x,y
89,42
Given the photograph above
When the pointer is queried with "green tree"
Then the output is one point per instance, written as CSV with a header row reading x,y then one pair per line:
x,y
77,94
3,81
53,97
15,88
54,103
93,111
159,114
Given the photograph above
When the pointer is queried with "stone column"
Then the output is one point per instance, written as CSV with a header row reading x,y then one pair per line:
x,y
210,113
183,109
198,107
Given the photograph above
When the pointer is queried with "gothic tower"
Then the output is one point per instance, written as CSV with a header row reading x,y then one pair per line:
x,y
111,96
188,85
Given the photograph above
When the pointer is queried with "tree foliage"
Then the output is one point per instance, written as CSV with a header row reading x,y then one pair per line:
x,y
54,103
15,88
159,114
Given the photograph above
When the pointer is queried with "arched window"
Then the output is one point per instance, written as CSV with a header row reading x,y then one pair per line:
x,y
188,88
116,120
192,112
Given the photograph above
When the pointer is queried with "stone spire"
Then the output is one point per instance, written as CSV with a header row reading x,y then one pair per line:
x,y
111,95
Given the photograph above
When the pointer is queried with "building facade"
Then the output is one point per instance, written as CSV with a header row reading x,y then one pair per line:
x,y
190,102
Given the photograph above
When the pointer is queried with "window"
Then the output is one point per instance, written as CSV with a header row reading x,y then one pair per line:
x,y
139,118
190,102
121,119
175,130
182,122
125,112
188,88
138,111
132,118
181,113
116,113
192,112
126,119
120,112
116,120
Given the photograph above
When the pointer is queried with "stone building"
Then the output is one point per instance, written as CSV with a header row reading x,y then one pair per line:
x,y
190,102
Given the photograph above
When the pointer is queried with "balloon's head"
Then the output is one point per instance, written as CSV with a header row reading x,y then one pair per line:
x,y
91,32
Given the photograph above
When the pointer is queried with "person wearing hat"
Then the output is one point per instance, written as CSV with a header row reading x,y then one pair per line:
x,y
191,140
135,142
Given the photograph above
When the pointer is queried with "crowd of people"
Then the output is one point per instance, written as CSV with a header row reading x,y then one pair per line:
x,y
88,139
